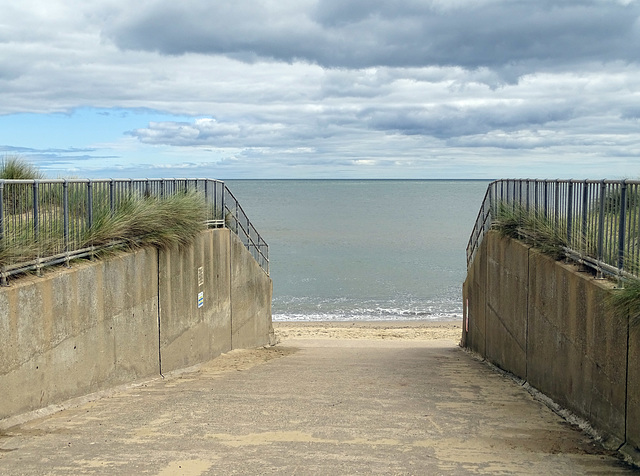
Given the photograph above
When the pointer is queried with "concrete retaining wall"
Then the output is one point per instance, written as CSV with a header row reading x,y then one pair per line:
x,y
104,323
548,323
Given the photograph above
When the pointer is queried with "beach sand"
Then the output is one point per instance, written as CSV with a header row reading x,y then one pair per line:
x,y
388,330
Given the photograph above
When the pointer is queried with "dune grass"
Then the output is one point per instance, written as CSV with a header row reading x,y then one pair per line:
x,y
14,167
517,223
530,227
626,300
136,220
165,223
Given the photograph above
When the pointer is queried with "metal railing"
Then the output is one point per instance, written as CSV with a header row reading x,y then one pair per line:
x,y
237,220
599,219
47,222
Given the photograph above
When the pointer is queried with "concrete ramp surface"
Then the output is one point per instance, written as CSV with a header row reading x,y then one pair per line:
x,y
313,406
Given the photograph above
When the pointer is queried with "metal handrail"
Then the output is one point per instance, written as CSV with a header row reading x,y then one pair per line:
x,y
599,219
52,216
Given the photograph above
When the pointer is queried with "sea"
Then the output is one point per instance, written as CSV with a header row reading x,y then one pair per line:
x,y
364,250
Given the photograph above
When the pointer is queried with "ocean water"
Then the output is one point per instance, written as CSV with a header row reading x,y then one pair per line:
x,y
364,249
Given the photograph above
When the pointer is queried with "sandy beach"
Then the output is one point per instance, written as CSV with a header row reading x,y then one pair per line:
x,y
388,330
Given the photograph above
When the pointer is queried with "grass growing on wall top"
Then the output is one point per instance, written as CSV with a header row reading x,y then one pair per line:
x,y
136,220
626,301
517,223
161,222
528,226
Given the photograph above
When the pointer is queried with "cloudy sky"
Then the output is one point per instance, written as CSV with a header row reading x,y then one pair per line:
x,y
322,88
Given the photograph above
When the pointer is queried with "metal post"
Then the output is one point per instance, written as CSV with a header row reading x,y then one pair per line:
x,y
603,191
546,199
89,204
35,210
585,211
487,222
520,193
112,196
223,205
569,211
556,204
65,211
621,229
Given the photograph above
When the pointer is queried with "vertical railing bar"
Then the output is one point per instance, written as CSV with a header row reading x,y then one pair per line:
x,y
600,249
35,210
621,229
569,211
89,204
65,217
585,207
112,196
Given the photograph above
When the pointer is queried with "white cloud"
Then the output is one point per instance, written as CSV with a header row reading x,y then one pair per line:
x,y
282,86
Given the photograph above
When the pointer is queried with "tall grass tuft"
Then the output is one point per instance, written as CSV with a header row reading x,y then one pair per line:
x,y
626,301
519,223
165,223
14,167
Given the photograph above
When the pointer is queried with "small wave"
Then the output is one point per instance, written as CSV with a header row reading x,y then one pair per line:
x,y
348,317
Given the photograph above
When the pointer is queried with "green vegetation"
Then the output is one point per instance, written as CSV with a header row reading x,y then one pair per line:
x,y
626,300
134,220
14,167
161,222
530,227
516,222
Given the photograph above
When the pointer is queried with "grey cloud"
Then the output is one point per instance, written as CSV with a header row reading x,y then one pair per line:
x,y
446,121
358,34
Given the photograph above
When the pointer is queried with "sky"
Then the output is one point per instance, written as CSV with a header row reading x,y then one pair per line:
x,y
426,89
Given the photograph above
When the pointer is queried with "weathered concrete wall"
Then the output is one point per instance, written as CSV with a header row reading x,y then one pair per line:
x,y
250,298
104,323
77,331
633,392
190,334
548,323
506,301
475,307
577,346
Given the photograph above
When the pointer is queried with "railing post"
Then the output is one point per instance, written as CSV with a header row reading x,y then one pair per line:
x,y
621,228
556,204
569,211
546,199
65,215
600,251
89,204
520,193
112,197
35,210
585,211
223,205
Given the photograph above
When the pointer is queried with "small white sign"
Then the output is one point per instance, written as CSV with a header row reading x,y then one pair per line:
x,y
200,276
200,299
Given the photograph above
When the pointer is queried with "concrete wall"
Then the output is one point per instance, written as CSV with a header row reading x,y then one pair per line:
x,y
108,322
251,295
549,324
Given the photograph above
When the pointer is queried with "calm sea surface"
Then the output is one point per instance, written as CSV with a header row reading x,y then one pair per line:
x,y
364,249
